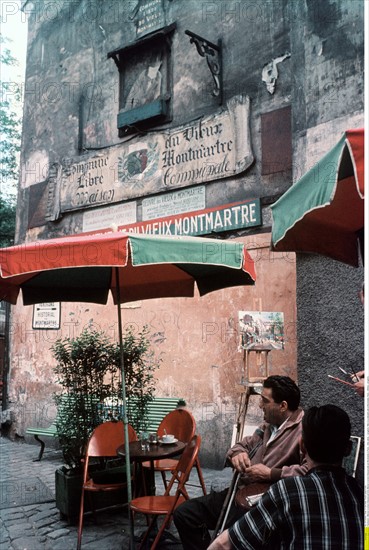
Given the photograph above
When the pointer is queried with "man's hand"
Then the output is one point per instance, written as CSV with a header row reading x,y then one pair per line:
x,y
221,543
360,387
258,472
241,462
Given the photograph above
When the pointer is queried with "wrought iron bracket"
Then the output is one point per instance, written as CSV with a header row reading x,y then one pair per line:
x,y
213,55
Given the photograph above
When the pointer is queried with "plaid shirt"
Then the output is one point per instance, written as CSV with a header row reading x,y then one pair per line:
x,y
323,510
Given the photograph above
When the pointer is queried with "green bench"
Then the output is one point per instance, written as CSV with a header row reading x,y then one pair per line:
x,y
156,410
36,432
50,431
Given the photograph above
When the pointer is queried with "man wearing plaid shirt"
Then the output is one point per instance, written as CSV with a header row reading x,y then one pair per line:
x,y
323,509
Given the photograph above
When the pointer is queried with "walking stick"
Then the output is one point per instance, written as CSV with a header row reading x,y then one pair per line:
x,y
223,516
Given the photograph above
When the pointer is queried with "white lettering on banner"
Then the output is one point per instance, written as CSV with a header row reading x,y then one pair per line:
x,y
201,223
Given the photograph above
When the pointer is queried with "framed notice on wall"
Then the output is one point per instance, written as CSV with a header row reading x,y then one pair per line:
x,y
46,316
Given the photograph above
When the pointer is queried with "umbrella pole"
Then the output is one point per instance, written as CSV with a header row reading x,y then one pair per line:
x,y
125,416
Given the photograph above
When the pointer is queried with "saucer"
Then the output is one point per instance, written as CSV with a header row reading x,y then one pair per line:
x,y
168,442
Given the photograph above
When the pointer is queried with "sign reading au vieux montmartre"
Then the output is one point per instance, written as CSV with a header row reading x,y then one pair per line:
x,y
226,217
211,148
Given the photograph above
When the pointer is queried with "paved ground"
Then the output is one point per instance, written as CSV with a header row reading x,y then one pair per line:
x,y
39,527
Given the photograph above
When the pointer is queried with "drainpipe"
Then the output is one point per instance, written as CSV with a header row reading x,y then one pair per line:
x,y
6,357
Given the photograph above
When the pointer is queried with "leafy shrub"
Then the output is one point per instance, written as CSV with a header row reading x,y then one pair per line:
x,y
88,369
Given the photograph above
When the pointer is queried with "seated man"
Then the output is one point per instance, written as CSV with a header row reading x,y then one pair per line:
x,y
323,509
271,453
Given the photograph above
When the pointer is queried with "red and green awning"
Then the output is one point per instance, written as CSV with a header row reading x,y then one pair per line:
x,y
323,213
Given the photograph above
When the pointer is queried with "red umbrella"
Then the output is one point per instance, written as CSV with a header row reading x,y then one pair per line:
x,y
84,268
80,268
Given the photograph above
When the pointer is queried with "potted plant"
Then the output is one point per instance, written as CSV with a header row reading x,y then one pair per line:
x,y
88,370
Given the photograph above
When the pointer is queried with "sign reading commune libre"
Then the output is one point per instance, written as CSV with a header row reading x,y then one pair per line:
x,y
150,16
209,149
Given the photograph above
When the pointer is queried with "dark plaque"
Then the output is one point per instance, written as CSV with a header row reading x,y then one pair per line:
x,y
37,204
276,141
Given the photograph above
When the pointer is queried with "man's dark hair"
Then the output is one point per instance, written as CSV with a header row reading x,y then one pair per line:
x,y
283,389
326,433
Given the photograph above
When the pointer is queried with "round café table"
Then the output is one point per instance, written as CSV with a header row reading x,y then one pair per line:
x,y
157,451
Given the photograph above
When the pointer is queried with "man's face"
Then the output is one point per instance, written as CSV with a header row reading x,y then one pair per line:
x,y
273,412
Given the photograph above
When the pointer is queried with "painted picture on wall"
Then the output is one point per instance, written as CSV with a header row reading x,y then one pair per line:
x,y
261,330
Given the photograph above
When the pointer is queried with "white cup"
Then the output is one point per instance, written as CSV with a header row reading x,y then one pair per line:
x,y
168,438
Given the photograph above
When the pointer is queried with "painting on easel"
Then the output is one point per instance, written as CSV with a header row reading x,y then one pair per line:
x,y
261,330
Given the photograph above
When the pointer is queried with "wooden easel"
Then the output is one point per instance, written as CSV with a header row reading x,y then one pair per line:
x,y
261,353
250,385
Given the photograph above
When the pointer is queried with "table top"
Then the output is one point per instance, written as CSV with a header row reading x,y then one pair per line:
x,y
156,452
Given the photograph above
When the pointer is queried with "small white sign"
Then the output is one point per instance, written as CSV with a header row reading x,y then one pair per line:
x,y
102,218
178,202
46,315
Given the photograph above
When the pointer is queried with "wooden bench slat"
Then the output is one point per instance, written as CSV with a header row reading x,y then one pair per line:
x,y
40,431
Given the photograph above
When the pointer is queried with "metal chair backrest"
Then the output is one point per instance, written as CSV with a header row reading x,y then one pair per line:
x,y
184,466
180,423
107,437
103,443
350,462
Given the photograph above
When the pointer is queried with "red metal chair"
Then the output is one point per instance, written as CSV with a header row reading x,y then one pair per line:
x,y
103,443
182,425
164,505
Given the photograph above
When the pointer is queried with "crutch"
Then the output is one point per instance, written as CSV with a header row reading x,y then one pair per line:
x,y
242,411
223,516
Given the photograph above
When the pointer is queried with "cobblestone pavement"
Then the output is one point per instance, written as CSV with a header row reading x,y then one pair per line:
x,y
39,526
